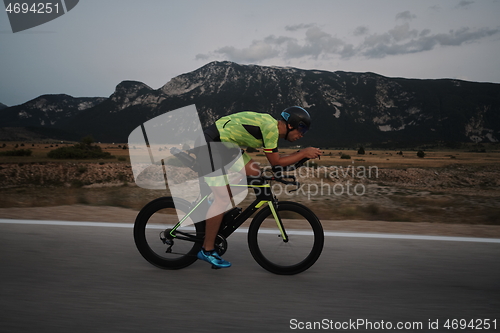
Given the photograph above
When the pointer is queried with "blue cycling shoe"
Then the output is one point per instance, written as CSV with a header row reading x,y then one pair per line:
x,y
213,258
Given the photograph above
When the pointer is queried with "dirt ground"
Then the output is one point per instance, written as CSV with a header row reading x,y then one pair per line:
x,y
380,192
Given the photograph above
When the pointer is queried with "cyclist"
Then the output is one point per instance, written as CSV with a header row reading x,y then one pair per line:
x,y
256,130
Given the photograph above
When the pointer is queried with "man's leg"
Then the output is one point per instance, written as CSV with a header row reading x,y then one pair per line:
x,y
222,199
252,168
220,204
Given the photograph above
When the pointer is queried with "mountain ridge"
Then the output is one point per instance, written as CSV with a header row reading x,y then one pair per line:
x,y
346,107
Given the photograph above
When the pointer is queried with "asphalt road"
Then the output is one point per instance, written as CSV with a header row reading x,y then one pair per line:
x,y
92,279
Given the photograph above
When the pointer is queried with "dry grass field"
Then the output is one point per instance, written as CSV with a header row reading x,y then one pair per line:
x,y
434,158
40,150
446,186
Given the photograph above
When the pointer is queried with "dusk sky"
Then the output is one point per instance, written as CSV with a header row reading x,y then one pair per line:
x,y
98,44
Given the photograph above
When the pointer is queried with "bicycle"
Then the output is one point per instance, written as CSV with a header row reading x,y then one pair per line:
x,y
284,237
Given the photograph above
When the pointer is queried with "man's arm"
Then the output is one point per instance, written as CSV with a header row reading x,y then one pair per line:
x,y
284,160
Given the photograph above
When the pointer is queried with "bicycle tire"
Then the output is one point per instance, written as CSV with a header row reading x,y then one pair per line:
x,y
160,215
304,245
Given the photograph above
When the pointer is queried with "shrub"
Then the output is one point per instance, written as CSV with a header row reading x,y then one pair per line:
x,y
78,153
312,164
82,169
82,150
361,151
345,157
17,152
174,161
87,141
77,183
421,154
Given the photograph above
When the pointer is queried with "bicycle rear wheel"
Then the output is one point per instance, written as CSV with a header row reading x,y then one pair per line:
x,y
294,255
151,234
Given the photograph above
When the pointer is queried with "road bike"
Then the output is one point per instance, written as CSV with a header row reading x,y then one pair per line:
x,y
284,237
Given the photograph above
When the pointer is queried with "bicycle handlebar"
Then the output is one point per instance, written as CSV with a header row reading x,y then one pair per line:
x,y
186,159
278,171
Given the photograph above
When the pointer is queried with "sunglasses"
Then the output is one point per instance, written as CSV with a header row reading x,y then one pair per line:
x,y
302,128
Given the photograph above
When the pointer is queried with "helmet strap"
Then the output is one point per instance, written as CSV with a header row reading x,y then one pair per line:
x,y
288,130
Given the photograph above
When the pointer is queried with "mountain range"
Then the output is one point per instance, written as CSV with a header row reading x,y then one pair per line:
x,y
347,108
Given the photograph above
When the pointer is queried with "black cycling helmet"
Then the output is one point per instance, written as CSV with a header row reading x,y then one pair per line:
x,y
298,118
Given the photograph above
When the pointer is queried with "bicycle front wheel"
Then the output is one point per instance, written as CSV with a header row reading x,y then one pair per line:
x,y
297,253
152,234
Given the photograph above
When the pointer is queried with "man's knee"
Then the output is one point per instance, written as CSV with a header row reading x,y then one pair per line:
x,y
221,194
252,168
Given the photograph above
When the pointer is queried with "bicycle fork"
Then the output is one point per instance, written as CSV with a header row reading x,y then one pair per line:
x,y
273,206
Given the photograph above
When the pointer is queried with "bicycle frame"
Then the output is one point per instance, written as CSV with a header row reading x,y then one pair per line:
x,y
262,189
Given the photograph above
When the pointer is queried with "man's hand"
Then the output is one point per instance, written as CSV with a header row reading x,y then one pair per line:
x,y
311,152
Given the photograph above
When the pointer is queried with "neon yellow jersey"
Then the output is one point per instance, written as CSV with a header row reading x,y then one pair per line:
x,y
250,129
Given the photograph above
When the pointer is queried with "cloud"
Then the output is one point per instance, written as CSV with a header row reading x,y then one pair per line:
x,y
436,8
298,27
316,43
202,56
361,30
464,35
402,32
424,32
258,51
405,16
404,41
278,40
464,4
